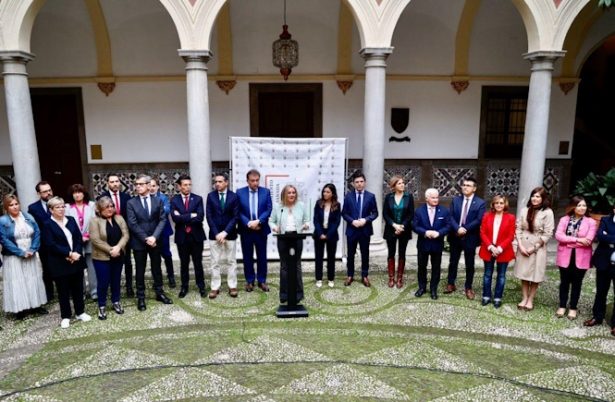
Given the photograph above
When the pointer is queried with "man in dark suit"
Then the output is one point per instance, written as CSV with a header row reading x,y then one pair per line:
x,y
167,256
222,210
41,215
188,214
359,212
120,200
254,211
431,223
466,214
146,220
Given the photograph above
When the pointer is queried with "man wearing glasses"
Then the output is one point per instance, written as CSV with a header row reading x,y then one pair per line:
x,y
146,221
41,214
466,215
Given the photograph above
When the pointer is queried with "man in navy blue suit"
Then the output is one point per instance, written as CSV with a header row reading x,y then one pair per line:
x,y
359,212
167,256
146,220
41,214
466,214
254,211
431,223
188,213
222,211
120,200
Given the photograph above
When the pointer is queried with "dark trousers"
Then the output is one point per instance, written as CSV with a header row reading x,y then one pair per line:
x,y
392,246
603,285
319,255
191,248
571,280
155,263
128,267
249,241
108,273
283,249
500,281
70,286
436,261
468,255
363,242
167,256
47,280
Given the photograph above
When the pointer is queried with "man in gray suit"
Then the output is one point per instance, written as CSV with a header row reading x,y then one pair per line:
x,y
146,221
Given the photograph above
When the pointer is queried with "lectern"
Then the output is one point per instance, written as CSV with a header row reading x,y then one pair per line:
x,y
292,309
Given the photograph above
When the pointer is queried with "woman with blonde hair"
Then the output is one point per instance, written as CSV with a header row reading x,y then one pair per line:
x,y
398,213
497,232
23,286
289,216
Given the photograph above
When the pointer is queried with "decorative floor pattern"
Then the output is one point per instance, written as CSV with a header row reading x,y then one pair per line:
x,y
358,344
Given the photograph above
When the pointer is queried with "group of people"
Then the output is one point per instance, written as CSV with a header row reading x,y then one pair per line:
x,y
98,237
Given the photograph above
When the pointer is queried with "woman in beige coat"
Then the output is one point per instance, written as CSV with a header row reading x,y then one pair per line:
x,y
535,226
109,235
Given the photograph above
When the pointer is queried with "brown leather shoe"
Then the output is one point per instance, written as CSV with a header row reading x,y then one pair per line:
x,y
391,268
400,273
214,293
470,294
249,287
263,287
592,322
366,282
348,281
233,292
449,289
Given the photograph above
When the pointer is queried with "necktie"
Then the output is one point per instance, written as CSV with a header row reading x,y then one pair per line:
x,y
464,214
48,212
146,206
188,228
222,200
118,211
432,215
360,205
253,205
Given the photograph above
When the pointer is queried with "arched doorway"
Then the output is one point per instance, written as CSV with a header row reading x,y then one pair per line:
x,y
594,142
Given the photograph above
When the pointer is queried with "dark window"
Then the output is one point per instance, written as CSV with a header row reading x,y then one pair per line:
x,y
503,121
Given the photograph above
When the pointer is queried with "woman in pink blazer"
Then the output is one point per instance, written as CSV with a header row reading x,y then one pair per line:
x,y
497,232
575,234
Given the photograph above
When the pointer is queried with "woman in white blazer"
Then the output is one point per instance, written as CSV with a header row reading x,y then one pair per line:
x,y
289,216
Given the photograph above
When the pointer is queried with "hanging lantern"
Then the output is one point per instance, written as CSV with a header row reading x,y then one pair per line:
x,y
285,51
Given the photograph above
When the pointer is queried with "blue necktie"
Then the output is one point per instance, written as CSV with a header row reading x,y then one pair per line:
x,y
360,205
253,205
145,205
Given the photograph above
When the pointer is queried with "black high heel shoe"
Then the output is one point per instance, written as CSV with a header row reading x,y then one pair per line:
x,y
102,313
117,307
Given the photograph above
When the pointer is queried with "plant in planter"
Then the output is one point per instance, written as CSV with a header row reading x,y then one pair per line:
x,y
598,191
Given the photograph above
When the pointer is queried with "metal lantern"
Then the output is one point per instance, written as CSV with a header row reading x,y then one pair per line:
x,y
285,51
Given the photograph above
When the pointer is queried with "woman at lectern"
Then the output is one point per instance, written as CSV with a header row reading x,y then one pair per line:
x,y
289,216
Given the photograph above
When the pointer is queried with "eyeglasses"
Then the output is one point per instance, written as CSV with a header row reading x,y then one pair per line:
x,y
45,191
141,184
467,185
60,207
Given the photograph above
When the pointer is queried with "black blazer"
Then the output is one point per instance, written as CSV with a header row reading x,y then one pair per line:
x,y
141,225
219,220
58,248
335,217
606,236
407,216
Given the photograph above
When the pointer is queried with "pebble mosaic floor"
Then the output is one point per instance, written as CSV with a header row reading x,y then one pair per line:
x,y
368,344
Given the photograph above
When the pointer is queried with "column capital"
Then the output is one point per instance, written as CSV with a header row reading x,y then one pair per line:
x,y
543,60
376,52
16,55
195,55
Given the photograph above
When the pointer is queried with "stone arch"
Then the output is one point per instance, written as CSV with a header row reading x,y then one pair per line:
x,y
16,21
464,34
376,20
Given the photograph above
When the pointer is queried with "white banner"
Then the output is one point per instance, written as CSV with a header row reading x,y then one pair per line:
x,y
307,163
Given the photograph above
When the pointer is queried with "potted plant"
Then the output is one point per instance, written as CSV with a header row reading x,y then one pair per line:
x,y
599,192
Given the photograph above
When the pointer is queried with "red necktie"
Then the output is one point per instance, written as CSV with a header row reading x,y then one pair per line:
x,y
118,211
188,228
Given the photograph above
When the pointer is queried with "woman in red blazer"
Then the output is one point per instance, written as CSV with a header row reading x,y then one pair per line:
x,y
575,234
497,232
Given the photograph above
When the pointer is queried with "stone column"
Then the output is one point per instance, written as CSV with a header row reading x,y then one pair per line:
x,y
373,136
21,124
536,123
199,144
